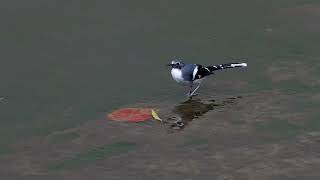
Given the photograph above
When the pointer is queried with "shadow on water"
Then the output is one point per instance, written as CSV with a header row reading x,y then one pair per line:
x,y
191,109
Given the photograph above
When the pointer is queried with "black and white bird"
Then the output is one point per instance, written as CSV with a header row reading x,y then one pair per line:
x,y
193,74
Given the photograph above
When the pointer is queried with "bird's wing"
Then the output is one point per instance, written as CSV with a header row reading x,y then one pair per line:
x,y
201,72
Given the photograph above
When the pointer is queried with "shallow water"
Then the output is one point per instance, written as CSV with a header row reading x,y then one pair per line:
x,y
66,64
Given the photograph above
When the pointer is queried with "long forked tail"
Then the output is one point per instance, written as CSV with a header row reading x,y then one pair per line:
x,y
226,66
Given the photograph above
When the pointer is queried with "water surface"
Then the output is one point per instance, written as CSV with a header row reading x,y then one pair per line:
x,y
65,64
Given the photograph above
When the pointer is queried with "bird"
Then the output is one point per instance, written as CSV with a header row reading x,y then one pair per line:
x,y
193,74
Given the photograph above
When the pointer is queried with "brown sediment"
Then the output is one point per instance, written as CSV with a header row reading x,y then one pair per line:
x,y
256,136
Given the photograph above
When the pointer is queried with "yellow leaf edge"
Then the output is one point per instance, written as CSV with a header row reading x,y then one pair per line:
x,y
155,115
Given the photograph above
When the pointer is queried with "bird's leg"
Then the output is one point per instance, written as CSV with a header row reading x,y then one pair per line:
x,y
190,90
192,93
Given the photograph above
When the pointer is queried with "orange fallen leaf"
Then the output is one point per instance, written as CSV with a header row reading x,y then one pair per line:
x,y
131,114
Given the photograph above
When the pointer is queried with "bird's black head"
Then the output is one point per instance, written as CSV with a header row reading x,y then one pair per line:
x,y
176,64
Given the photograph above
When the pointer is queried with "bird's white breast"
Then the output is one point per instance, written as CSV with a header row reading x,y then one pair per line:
x,y
177,75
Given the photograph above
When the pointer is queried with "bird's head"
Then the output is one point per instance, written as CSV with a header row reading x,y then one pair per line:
x,y
176,64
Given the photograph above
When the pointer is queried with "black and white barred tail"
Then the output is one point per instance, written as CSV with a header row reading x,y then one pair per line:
x,y
205,71
225,66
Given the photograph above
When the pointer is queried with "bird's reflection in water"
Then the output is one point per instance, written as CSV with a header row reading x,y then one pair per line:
x,y
191,109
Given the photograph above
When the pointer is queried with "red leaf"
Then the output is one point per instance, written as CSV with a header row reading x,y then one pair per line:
x,y
131,114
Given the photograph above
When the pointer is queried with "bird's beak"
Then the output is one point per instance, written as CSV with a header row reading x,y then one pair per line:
x,y
169,64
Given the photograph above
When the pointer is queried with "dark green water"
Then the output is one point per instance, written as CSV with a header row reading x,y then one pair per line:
x,y
67,62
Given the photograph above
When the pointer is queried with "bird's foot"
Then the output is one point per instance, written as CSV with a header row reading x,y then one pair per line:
x,y
190,95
